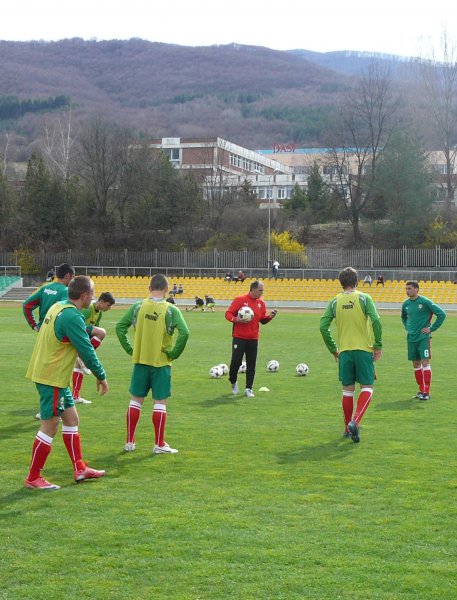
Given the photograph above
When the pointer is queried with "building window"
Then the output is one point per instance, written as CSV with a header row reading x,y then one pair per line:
x,y
172,153
282,193
440,169
235,161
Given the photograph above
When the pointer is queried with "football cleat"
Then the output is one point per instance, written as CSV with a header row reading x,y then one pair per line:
x,y
129,447
424,396
235,389
354,431
165,449
418,395
249,393
87,473
40,483
82,401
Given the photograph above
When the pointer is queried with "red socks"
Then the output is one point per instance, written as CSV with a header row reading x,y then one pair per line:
x,y
72,443
159,418
419,375
133,415
40,452
427,372
78,377
363,402
348,406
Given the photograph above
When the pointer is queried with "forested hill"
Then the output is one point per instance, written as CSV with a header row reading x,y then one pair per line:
x,y
250,95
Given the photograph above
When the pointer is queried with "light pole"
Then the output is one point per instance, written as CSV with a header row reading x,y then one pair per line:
x,y
269,216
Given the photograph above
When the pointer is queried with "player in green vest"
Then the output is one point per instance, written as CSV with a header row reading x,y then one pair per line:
x,y
416,314
61,338
154,348
47,295
359,334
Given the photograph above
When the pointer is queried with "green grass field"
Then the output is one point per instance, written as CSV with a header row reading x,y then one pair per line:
x,y
265,499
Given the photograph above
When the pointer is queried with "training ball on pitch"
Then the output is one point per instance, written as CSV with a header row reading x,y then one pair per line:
x,y
273,366
224,368
302,369
242,368
216,372
246,314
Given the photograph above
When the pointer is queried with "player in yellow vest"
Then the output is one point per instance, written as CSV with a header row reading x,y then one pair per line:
x,y
93,316
359,333
61,337
154,348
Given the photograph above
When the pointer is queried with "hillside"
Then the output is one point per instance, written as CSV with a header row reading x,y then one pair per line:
x,y
250,95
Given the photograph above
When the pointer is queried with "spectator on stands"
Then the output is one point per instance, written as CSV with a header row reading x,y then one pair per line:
x,y
275,270
180,289
228,276
367,280
240,277
50,276
380,280
174,291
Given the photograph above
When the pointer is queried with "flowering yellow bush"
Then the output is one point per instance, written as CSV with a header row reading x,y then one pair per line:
x,y
285,241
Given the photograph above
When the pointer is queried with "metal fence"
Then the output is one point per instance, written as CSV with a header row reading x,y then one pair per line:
x,y
313,262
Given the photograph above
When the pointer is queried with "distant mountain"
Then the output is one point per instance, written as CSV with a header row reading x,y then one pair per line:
x,y
250,95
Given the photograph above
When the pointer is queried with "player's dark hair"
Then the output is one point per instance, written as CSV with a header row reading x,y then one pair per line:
x,y
254,285
413,283
107,297
64,269
348,277
159,282
79,286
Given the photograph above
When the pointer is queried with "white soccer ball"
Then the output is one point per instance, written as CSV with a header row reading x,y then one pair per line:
x,y
216,372
302,369
224,368
246,314
273,366
242,368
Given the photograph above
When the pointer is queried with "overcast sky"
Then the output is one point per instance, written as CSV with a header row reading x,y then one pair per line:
x,y
403,27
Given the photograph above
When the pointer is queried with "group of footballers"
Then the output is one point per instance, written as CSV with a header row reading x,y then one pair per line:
x,y
69,333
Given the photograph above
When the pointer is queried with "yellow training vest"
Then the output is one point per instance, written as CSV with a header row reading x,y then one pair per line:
x,y
52,360
352,324
151,335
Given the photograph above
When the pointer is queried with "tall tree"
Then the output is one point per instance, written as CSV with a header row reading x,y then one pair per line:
x,y
101,157
360,132
439,77
402,181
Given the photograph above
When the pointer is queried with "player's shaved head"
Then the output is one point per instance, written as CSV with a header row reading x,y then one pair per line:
x,y
158,282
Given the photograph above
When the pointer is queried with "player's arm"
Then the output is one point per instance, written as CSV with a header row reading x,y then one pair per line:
x,y
71,326
404,315
375,323
124,325
439,314
231,313
29,306
324,327
175,322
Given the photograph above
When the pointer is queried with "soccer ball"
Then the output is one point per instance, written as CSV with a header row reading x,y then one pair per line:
x,y
246,314
216,372
224,368
302,369
273,366
242,368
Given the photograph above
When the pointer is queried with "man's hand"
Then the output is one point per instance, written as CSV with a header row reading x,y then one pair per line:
x,y
102,387
377,354
336,355
273,313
